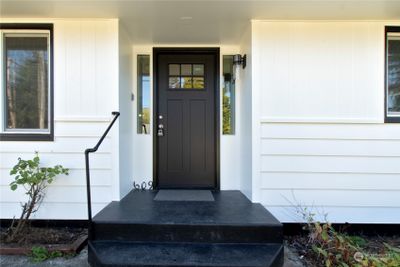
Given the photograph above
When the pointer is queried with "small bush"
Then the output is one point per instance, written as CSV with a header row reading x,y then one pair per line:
x,y
34,179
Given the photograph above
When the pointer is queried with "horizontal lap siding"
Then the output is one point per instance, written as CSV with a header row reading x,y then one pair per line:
x,y
349,172
323,143
85,93
341,214
66,192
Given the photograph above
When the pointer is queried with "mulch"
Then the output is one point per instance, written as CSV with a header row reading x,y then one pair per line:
x,y
66,240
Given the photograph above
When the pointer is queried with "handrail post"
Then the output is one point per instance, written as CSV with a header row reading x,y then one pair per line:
x,y
88,193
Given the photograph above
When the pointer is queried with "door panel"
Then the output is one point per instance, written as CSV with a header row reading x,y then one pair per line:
x,y
186,110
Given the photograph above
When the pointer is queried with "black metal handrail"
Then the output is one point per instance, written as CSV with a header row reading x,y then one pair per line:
x,y
91,150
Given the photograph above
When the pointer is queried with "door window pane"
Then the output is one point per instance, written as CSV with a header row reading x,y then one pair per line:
x,y
393,74
174,69
198,82
198,69
186,69
186,82
26,75
143,94
228,100
186,76
174,82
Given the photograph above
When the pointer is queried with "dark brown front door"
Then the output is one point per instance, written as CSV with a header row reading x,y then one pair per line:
x,y
185,118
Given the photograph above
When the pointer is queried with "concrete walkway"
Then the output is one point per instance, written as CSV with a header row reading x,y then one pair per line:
x,y
291,260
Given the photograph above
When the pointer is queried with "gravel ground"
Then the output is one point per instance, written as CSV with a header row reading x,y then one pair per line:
x,y
18,261
291,260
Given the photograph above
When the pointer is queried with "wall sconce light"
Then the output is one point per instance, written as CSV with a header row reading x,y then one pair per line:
x,y
239,60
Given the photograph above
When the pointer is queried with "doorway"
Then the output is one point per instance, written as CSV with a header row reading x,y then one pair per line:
x,y
186,118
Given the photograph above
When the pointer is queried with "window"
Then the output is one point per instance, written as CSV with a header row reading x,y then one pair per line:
x,y
26,82
392,89
228,100
186,76
143,94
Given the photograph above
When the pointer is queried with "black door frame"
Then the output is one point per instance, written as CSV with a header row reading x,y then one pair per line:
x,y
215,51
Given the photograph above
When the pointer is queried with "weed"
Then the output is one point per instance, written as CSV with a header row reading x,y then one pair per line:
x,y
40,254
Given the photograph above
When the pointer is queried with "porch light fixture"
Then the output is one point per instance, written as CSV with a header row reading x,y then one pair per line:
x,y
239,60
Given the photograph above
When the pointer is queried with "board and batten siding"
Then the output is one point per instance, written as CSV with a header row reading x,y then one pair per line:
x,y
323,143
85,93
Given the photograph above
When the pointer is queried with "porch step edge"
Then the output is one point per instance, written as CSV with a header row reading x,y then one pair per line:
x,y
114,253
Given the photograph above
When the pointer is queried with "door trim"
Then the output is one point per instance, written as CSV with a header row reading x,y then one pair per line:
x,y
215,51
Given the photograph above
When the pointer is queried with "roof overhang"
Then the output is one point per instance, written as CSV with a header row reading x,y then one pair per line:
x,y
199,22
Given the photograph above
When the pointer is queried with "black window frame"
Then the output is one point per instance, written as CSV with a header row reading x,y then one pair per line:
x,y
35,136
389,29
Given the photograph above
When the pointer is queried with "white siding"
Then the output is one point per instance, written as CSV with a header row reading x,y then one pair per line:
x,y
323,143
245,115
327,71
85,93
126,106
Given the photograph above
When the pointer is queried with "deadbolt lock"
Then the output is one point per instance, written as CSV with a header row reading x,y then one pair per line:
x,y
160,131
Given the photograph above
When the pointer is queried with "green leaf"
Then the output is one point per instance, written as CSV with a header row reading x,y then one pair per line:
x,y
13,187
320,251
328,263
324,235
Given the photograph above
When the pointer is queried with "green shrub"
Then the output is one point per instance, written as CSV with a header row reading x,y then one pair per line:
x,y
34,179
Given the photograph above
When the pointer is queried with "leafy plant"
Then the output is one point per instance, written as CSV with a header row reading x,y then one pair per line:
x,y
34,179
333,248
40,254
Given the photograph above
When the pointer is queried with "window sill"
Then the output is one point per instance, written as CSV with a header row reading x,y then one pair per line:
x,y
26,137
392,120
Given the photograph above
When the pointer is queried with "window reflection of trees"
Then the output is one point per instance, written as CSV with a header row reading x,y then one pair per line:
x,y
394,75
26,82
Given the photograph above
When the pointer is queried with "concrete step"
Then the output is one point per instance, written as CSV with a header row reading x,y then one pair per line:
x,y
114,253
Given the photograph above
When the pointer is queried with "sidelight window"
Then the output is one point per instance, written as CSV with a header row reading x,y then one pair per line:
x,y
228,96
143,94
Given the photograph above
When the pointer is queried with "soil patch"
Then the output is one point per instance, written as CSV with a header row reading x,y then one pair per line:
x,y
65,239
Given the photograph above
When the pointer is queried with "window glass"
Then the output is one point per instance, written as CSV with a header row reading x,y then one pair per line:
x,y
143,94
26,81
198,82
393,74
186,82
186,69
174,82
198,69
186,76
228,94
174,69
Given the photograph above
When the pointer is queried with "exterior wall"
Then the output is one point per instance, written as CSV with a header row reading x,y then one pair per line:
x,y
323,141
126,107
85,93
245,115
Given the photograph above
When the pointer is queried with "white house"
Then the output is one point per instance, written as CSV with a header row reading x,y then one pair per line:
x,y
311,118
